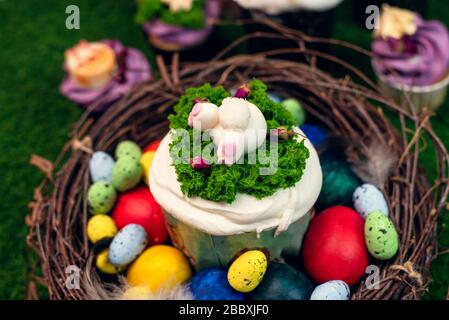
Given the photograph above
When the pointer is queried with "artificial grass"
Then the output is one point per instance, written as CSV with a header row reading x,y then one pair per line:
x,y
34,118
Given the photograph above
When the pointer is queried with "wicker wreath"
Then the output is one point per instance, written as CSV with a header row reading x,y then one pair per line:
x,y
352,110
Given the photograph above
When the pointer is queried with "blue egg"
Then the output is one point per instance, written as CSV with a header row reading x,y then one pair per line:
x,y
331,290
100,166
318,135
368,198
212,284
127,244
274,97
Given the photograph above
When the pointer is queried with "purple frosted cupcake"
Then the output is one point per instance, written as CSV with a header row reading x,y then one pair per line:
x,y
102,72
174,25
412,55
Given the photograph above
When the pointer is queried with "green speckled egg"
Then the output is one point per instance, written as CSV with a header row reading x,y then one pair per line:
x,y
126,173
381,236
101,197
127,148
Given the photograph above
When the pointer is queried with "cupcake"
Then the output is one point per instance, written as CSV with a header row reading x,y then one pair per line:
x,y
174,25
312,17
102,72
411,55
234,173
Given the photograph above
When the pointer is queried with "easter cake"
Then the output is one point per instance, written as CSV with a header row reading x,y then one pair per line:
x,y
221,196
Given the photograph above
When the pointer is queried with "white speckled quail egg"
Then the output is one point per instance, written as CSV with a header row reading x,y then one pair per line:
x,y
331,290
100,166
127,244
368,198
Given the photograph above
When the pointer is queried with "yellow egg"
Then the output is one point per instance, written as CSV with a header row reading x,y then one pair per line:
x,y
137,293
100,226
105,266
247,271
145,160
159,267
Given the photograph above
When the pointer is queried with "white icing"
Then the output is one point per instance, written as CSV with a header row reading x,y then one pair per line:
x,y
246,213
280,6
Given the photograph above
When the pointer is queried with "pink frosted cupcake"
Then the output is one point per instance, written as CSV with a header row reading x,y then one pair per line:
x,y
102,72
411,55
174,25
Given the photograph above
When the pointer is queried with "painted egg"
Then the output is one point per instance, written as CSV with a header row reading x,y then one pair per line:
x,y
127,173
159,267
212,284
297,111
334,246
318,135
332,290
282,282
100,166
381,236
103,264
145,160
127,148
99,227
274,97
127,245
152,146
368,198
247,271
101,197
137,293
138,206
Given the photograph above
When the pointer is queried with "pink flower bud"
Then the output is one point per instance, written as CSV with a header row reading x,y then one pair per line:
x,y
283,133
242,92
198,163
200,100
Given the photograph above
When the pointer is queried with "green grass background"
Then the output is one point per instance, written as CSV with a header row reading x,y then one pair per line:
x,y
34,118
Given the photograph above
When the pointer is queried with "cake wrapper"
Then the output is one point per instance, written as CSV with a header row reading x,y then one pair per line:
x,y
210,251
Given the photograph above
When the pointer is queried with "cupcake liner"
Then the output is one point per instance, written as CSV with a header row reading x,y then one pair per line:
x,y
429,97
207,251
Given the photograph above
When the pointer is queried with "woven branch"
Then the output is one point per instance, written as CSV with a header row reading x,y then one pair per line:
x,y
352,108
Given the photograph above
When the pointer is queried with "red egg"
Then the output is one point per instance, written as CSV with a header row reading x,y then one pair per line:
x,y
152,146
138,206
334,246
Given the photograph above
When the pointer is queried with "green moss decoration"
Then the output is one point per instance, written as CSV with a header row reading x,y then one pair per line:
x,y
222,183
152,9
